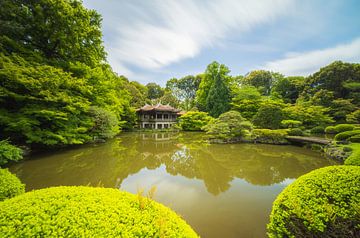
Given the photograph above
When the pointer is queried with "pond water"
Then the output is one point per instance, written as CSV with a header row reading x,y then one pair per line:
x,y
221,190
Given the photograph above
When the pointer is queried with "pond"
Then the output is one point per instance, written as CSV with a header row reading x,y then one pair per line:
x,y
221,190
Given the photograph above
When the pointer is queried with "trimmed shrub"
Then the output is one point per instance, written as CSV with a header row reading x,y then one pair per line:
x,y
10,185
295,132
88,212
317,130
291,123
339,128
330,130
194,121
354,158
355,138
322,203
268,136
9,152
345,135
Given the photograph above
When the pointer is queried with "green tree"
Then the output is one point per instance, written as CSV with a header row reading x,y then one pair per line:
x,y
288,88
194,121
184,89
229,126
218,100
269,115
343,79
61,30
154,91
261,79
246,100
168,98
213,71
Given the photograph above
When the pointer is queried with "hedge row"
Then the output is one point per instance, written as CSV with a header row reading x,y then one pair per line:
x,y
339,128
10,185
88,212
322,203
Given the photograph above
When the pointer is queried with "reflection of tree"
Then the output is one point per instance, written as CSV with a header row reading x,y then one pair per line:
x,y
185,154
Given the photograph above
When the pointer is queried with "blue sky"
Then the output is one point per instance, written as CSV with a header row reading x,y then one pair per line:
x,y
155,40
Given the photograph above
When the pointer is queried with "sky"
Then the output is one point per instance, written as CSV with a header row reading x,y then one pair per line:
x,y
156,40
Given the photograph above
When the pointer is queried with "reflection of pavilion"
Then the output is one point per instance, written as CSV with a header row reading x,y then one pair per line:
x,y
158,136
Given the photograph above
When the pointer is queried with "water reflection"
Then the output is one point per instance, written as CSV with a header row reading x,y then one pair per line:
x,y
185,154
220,190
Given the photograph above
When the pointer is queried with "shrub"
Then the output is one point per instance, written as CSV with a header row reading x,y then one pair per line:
x,y
354,158
105,123
10,185
330,130
291,123
339,128
229,126
317,130
269,115
88,212
9,152
194,121
346,134
295,132
353,117
268,136
322,203
355,138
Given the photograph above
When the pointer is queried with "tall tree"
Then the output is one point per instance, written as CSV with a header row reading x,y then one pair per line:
x,y
213,71
184,89
261,79
218,100
154,91
61,30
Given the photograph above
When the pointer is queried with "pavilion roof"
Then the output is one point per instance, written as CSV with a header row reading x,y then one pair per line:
x,y
158,107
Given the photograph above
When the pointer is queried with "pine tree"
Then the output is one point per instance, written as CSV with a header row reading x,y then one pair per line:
x,y
218,100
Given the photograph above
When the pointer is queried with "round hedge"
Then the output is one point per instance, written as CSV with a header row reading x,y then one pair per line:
x,y
88,212
322,203
10,185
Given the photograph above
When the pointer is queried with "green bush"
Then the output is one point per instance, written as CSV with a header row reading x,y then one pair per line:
x,y
330,130
354,158
322,203
346,134
194,121
10,185
355,139
268,136
295,132
88,212
339,128
317,130
9,152
291,123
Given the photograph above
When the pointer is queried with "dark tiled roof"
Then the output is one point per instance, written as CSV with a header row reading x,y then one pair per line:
x,y
158,107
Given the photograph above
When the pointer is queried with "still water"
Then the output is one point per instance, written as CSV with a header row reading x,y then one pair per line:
x,y
220,190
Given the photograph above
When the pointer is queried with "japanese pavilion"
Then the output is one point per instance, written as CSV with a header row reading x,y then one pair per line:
x,y
157,116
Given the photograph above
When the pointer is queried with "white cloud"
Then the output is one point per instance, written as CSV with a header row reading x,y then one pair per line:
x,y
309,62
151,36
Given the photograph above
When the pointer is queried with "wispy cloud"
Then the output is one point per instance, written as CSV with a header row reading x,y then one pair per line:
x,y
151,36
306,63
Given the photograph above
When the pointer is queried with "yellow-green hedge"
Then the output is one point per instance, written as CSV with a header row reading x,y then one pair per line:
x,y
10,185
322,203
88,212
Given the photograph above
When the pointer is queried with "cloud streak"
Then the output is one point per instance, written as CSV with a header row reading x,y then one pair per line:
x,y
154,36
309,62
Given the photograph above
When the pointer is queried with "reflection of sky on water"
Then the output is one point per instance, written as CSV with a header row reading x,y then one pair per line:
x,y
221,190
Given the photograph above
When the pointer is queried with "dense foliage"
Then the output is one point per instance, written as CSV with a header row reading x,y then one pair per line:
x,y
354,158
55,87
88,212
194,121
230,126
9,152
10,185
322,203
267,136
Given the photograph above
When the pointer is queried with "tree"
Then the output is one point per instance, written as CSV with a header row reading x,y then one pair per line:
x,y
246,100
154,91
288,88
213,71
218,100
354,117
261,79
60,30
194,121
269,115
138,94
168,98
184,89
229,126
343,79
